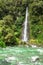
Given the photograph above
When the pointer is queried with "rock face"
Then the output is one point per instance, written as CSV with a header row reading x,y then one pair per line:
x,y
35,58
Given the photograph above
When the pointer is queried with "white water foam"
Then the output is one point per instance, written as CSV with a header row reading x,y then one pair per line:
x,y
9,59
34,58
25,27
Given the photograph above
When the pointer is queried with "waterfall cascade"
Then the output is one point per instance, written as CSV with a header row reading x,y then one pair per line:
x,y
25,38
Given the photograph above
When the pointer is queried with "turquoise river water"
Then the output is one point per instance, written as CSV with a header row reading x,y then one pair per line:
x,y
21,55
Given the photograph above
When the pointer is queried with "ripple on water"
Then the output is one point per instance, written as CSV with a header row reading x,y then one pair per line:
x,y
21,56
9,59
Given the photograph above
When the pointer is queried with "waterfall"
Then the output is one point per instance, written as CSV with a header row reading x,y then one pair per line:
x,y
25,38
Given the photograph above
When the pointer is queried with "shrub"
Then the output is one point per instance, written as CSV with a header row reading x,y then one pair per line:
x,y
2,44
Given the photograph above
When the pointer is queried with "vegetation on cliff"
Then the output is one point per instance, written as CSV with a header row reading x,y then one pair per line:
x,y
36,21
12,15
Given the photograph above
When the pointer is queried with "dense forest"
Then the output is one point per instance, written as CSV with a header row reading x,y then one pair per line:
x,y
12,15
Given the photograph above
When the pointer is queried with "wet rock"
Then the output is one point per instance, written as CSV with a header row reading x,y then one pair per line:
x,y
33,46
35,58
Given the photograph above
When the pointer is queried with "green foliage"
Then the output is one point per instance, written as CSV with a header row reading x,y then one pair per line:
x,y
12,14
18,25
2,44
37,8
36,18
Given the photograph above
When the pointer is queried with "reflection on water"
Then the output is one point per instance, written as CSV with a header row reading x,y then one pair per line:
x,y
21,56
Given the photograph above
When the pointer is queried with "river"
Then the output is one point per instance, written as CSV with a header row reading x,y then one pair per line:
x,y
21,55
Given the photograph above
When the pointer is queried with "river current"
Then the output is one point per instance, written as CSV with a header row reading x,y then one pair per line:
x,y
21,55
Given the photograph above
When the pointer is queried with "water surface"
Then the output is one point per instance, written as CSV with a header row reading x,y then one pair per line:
x,y
20,55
